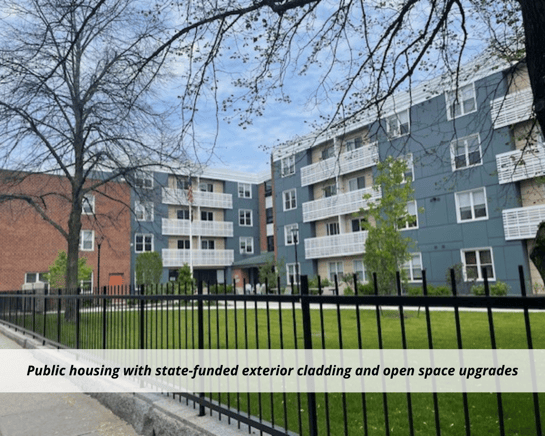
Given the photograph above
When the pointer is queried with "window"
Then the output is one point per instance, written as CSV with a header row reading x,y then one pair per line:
x,y
269,214
409,173
207,216
183,184
35,277
398,124
270,243
206,187
290,199
357,224
357,183
293,272
466,152
475,260
461,102
87,240
245,217
244,190
268,188
246,245
330,191
336,268
208,244
412,221
332,228
143,243
88,205
183,244
143,180
328,152
86,286
143,211
288,166
413,268
359,270
182,214
353,144
471,205
291,233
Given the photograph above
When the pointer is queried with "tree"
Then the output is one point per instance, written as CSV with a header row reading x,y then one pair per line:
x,y
386,249
185,279
57,271
270,271
149,268
70,103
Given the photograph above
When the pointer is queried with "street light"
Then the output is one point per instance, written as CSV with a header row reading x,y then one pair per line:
x,y
295,239
99,239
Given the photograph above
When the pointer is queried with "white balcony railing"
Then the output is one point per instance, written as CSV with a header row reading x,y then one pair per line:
x,y
204,199
338,204
522,222
518,165
511,109
221,229
347,162
337,245
177,258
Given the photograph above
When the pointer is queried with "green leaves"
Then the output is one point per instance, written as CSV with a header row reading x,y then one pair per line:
x,y
57,271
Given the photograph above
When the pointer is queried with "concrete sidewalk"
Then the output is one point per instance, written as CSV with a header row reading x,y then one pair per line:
x,y
56,414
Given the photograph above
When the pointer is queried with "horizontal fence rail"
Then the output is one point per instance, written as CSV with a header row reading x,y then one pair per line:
x,y
170,316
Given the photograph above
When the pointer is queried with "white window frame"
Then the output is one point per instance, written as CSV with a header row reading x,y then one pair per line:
x,y
353,181
409,266
395,119
39,277
244,190
246,245
471,193
357,270
82,287
288,166
456,96
143,180
143,235
407,225
335,270
479,266
296,273
353,143
83,240
88,204
410,167
143,211
454,146
288,235
291,196
245,217
332,228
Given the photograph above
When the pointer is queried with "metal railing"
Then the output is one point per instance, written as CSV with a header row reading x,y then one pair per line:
x,y
178,258
517,165
204,199
345,244
198,228
214,319
513,108
522,222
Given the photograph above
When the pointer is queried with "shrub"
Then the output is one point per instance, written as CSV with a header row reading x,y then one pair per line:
x,y
220,289
415,291
498,289
439,291
366,289
348,291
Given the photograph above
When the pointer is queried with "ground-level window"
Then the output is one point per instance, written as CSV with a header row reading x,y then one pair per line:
x,y
413,268
474,260
293,272
35,277
359,270
336,268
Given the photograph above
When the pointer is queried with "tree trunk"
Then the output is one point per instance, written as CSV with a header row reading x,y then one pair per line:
x,y
538,253
74,229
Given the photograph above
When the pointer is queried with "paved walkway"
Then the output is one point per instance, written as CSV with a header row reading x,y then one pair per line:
x,y
56,414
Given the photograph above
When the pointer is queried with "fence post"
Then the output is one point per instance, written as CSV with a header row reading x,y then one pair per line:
x,y
104,318
142,309
200,332
78,290
307,335
59,317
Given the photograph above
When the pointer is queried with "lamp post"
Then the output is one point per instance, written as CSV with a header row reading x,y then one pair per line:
x,y
295,238
100,239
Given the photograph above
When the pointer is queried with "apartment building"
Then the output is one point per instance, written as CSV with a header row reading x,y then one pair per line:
x,y
461,140
30,244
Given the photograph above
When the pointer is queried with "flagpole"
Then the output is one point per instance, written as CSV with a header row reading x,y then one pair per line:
x,y
190,202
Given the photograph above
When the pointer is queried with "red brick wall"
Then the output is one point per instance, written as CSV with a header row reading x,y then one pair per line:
x,y
28,243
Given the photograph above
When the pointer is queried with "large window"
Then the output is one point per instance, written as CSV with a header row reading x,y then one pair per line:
x,y
291,233
413,268
398,124
143,211
359,270
290,199
245,217
244,190
246,245
87,240
336,269
474,260
412,220
471,205
466,152
143,243
288,166
293,273
461,102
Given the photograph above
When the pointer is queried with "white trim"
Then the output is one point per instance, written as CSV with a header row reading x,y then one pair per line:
x,y
296,273
453,146
478,265
364,278
397,133
472,203
409,265
81,240
288,169
147,210
291,199
331,273
288,233
248,243
449,100
144,235
244,211
407,227
247,188
88,200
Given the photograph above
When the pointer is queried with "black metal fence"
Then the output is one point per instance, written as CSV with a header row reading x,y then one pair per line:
x,y
201,320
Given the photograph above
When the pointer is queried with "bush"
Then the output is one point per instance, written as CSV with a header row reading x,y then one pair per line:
x,y
415,291
439,291
220,289
348,291
498,289
366,289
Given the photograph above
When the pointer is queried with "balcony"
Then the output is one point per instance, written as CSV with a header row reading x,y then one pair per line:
x,y
338,204
203,199
177,258
346,244
221,229
511,109
518,165
347,162
522,222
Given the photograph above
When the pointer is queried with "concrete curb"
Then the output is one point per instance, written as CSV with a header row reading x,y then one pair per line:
x,y
150,414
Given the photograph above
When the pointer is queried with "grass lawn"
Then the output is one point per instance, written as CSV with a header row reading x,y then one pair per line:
x,y
229,328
